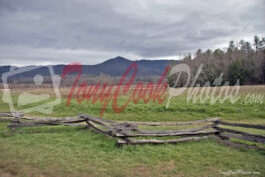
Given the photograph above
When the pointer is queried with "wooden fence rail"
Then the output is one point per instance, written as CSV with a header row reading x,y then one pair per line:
x,y
232,133
126,131
262,127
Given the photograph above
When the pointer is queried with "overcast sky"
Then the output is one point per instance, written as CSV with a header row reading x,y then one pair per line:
x,y
91,31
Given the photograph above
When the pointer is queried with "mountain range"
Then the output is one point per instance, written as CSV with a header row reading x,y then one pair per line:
x,y
113,67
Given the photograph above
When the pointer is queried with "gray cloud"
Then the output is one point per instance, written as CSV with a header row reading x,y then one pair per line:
x,y
64,31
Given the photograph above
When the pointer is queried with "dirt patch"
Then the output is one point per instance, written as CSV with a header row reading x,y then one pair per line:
x,y
141,171
9,173
6,174
166,166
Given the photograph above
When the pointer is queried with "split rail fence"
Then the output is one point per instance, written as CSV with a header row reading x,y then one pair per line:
x,y
127,132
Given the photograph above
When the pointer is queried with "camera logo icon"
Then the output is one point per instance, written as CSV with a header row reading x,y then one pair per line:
x,y
31,102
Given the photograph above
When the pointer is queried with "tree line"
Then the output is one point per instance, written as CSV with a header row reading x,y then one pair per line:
x,y
241,60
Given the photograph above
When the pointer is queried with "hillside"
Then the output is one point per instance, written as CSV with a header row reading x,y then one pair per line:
x,y
113,67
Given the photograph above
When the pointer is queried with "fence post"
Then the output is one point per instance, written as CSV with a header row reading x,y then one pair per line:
x,y
15,121
215,126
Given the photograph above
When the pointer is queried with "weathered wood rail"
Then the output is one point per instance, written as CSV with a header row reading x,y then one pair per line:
x,y
228,131
129,132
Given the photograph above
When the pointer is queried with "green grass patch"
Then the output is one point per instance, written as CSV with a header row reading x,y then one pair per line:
x,y
74,151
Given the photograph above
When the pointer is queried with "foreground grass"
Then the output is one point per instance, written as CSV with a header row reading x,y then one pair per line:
x,y
75,152
71,151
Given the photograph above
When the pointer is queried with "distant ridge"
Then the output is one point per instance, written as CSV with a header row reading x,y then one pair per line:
x,y
114,67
